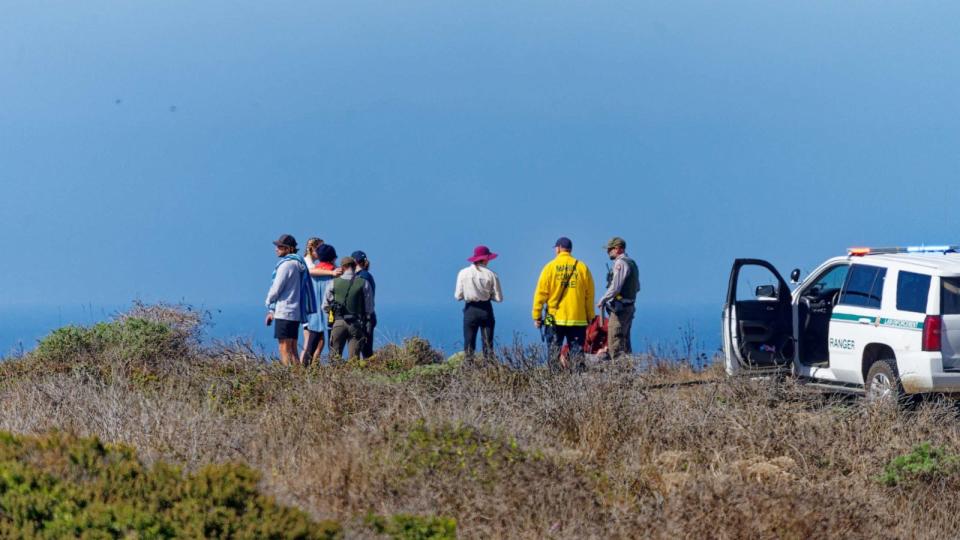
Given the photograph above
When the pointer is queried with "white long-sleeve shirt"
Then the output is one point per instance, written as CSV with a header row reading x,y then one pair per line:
x,y
477,283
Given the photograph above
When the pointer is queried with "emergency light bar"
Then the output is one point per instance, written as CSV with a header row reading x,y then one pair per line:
x,y
862,251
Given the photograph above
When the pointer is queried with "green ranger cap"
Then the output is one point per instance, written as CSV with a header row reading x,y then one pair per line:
x,y
616,242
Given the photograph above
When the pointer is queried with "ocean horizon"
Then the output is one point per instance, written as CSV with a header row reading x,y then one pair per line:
x,y
670,330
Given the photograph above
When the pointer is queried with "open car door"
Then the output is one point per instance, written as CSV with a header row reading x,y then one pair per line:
x,y
757,319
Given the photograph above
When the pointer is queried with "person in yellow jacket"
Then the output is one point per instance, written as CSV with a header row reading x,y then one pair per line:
x,y
565,287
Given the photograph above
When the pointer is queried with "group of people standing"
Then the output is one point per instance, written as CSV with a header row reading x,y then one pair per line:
x,y
563,305
329,303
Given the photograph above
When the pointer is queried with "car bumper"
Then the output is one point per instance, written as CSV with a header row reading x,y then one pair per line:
x,y
923,383
923,373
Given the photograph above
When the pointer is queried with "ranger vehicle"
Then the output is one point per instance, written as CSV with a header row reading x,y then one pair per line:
x,y
882,321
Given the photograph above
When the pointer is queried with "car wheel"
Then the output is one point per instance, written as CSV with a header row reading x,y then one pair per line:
x,y
883,384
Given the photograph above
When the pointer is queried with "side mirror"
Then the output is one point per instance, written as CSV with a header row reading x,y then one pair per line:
x,y
795,276
766,291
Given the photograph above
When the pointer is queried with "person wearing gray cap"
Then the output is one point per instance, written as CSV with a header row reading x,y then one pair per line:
x,y
623,284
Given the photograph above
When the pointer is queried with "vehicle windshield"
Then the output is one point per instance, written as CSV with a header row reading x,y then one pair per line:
x,y
831,280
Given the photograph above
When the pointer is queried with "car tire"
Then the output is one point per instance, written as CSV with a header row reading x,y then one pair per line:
x,y
883,382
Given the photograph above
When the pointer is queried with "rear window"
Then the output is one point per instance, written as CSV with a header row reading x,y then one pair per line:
x,y
912,292
950,296
864,286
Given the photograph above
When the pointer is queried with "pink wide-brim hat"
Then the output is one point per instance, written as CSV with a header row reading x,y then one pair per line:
x,y
482,253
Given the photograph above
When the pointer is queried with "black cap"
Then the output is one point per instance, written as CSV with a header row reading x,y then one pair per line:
x,y
564,243
326,253
286,240
359,256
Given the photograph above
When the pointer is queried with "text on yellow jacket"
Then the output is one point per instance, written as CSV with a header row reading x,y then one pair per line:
x,y
576,307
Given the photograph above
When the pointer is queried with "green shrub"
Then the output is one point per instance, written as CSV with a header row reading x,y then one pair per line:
x,y
58,486
413,352
460,449
64,343
925,462
129,338
145,333
183,320
429,370
415,358
408,527
237,387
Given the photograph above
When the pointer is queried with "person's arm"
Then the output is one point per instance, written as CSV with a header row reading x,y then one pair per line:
x,y
458,290
320,272
542,294
497,291
619,276
283,274
327,297
368,298
588,301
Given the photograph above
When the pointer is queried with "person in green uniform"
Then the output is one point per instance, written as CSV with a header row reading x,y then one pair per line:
x,y
349,299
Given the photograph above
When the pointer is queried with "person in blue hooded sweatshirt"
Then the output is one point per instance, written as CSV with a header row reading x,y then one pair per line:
x,y
291,298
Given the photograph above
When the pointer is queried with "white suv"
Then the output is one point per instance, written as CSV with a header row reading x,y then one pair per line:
x,y
885,321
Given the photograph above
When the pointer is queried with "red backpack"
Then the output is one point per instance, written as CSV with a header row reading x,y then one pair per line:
x,y
596,335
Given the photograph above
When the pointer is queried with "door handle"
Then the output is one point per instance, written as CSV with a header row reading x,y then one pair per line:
x,y
864,320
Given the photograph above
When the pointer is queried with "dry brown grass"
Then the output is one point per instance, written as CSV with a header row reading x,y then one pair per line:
x,y
516,452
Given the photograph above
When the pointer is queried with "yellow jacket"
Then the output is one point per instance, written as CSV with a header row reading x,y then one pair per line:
x,y
576,308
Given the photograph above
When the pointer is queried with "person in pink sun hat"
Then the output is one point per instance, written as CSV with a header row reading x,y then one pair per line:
x,y
478,287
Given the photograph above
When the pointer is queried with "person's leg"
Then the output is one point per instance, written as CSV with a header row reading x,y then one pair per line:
x,y
576,337
486,324
626,320
469,331
554,343
306,340
321,341
282,351
615,343
562,335
357,336
314,339
368,337
339,335
288,352
487,336
286,332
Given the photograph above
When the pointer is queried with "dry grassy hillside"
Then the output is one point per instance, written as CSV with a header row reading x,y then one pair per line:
x,y
506,450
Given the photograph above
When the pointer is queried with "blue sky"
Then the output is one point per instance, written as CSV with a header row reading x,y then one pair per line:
x,y
154,149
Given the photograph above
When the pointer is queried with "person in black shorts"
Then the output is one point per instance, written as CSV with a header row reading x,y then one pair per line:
x,y
287,299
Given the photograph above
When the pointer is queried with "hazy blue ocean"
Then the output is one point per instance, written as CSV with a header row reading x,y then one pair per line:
x,y
668,328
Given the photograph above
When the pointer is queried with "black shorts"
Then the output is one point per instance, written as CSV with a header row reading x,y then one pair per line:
x,y
284,329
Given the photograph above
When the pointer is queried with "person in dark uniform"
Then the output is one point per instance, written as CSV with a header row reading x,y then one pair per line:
x,y
350,299
623,284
